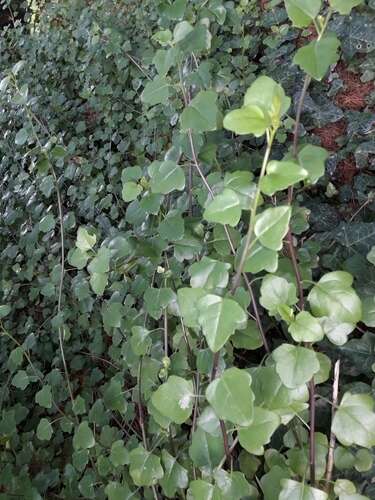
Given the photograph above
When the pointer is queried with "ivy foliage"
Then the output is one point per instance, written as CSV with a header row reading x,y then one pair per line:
x,y
172,321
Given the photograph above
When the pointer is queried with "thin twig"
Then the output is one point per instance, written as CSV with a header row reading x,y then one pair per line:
x,y
332,439
312,431
165,333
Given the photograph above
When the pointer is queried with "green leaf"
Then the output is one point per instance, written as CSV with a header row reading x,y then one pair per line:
x,y
254,437
47,223
206,450
291,490
249,338
272,225
325,368
83,437
156,91
268,95
85,239
98,282
295,365
77,258
21,137
209,274
202,113
231,396
44,430
114,397
313,158
224,208
100,263
116,491
363,460
119,454
241,183
145,468
201,490
157,299
302,12
276,292
172,228
316,57
4,310
280,175
344,486
130,191
271,482
233,485
354,420
21,380
175,476
247,120
192,39
44,397
188,299
334,298
174,399
166,176
306,328
219,317
259,259
164,60
140,340
344,7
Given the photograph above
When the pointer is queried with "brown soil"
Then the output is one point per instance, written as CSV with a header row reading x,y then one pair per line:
x,y
329,133
353,95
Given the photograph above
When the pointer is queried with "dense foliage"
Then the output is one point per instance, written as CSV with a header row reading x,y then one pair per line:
x,y
187,250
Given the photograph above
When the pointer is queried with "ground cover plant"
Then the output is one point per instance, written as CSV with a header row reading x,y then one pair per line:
x,y
187,250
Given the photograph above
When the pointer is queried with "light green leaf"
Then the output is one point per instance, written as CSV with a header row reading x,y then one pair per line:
x,y
4,310
363,460
44,397
209,274
276,292
202,113
344,7
312,158
77,258
140,340
119,454
269,96
247,120
172,228
157,299
85,239
166,176
259,259
47,223
241,183
44,430
100,263
145,468
21,380
130,191
156,91
202,490
206,450
231,396
164,60
316,57
295,365
254,437
174,399
354,420
224,208
280,175
292,490
83,437
175,476
334,298
192,39
219,317
325,368
188,299
233,485
344,486
306,328
249,338
272,225
21,137
114,397
98,282
302,12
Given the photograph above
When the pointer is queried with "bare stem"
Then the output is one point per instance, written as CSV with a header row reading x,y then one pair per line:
x,y
332,439
165,333
253,212
312,431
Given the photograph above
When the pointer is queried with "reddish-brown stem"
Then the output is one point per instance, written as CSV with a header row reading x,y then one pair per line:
x,y
296,269
312,431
